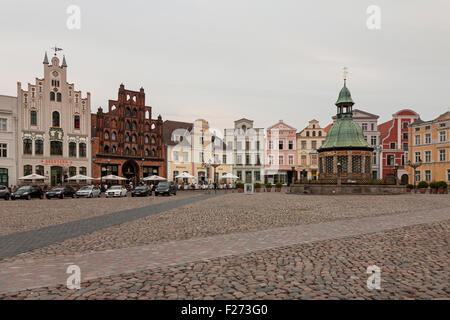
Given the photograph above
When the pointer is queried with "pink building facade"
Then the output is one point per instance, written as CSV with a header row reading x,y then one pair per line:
x,y
281,153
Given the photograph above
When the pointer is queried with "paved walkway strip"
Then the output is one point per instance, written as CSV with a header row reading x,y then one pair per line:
x,y
28,274
16,243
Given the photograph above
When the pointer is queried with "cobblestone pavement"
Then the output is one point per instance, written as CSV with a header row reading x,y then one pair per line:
x,y
233,213
306,261
23,215
13,244
413,262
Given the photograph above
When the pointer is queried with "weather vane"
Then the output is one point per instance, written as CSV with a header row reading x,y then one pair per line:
x,y
56,49
345,73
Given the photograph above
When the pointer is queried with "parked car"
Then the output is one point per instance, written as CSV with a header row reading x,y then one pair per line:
x,y
88,192
4,192
141,191
165,187
27,192
60,192
116,191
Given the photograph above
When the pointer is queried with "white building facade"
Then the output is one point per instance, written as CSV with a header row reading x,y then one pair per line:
x,y
8,141
54,126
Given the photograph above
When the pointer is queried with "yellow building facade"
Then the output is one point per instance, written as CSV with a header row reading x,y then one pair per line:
x,y
194,149
308,141
430,147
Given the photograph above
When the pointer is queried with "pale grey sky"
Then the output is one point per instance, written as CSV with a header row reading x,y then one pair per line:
x,y
222,60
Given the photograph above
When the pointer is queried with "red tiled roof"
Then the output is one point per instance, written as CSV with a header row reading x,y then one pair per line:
x,y
384,128
327,128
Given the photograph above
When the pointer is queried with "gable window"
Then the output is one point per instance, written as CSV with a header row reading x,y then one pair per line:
x,y
373,140
55,119
281,145
27,147
52,96
33,117
56,148
76,122
405,125
58,97
291,145
364,126
392,145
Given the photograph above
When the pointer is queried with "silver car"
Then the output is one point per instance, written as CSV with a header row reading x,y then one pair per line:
x,y
88,192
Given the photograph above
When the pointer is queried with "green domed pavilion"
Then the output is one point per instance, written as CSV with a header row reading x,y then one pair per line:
x,y
345,153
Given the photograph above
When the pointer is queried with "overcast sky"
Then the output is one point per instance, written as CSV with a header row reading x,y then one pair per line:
x,y
222,60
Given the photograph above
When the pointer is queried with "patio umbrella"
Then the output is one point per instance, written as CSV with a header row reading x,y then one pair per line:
x,y
184,175
229,176
113,177
32,176
154,178
80,177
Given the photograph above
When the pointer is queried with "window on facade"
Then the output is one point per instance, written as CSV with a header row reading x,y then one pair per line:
x,y
106,135
127,150
27,170
39,147
303,160
133,138
3,150
307,133
113,149
72,171
329,165
418,157
153,153
56,148
147,140
364,126
224,159
147,152
127,112
356,164
405,135
291,159
405,146
442,155
201,157
405,125
428,175
291,145
392,145
175,156
390,160
40,170
427,156
58,97
428,138
55,119
448,174
153,140
270,144
52,96
442,136
33,118
314,159
76,122
314,144
303,144
72,149
417,140
113,136
185,156
247,159
372,127
134,113
373,140
343,160
417,175
127,137
281,145
281,160
133,151
374,157
270,159
27,147
134,126
106,149
127,125
82,147
83,171
3,122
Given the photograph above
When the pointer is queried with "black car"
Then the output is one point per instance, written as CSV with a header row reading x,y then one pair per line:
x,y
60,192
4,192
141,191
165,187
27,192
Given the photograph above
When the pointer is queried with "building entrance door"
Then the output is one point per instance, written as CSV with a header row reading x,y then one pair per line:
x,y
56,176
130,170
4,177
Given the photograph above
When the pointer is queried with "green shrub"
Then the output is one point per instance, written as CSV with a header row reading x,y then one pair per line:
x,y
441,184
239,185
410,186
278,185
422,185
257,185
268,185
434,185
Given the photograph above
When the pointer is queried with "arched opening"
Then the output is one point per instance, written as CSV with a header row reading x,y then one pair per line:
x,y
55,119
130,170
404,179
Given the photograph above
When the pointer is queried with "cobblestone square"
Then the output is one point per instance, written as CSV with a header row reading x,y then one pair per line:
x,y
232,246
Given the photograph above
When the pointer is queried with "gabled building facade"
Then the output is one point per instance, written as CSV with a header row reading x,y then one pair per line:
x,y
308,141
281,153
246,146
127,141
8,140
394,135
54,126
429,144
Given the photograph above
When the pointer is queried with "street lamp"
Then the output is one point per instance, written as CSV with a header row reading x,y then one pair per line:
x,y
414,166
293,174
214,165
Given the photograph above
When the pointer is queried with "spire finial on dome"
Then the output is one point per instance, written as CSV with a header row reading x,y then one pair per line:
x,y
64,63
345,74
45,58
